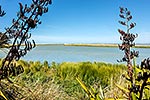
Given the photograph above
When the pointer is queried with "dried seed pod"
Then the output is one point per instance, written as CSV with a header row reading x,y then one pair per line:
x,y
129,18
121,9
28,10
27,19
21,13
121,32
145,75
31,23
132,25
35,1
32,6
45,10
128,13
135,88
123,23
122,16
27,36
39,22
40,10
2,13
145,64
139,76
33,43
50,1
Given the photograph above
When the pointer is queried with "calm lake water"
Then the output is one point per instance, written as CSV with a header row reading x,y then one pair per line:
x,y
60,53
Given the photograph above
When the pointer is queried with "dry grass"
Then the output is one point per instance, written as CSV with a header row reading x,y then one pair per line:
x,y
43,81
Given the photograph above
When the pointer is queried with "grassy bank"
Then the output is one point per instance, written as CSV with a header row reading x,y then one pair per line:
x,y
56,81
107,45
93,45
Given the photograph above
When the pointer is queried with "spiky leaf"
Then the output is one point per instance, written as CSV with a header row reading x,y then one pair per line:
x,y
122,88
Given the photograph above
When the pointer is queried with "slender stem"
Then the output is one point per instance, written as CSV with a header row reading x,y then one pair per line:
x,y
10,28
127,52
142,88
22,28
15,40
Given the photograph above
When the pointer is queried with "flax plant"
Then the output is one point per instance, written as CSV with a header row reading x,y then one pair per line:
x,y
137,76
16,38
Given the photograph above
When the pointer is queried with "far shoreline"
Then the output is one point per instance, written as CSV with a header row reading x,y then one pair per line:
x,y
95,45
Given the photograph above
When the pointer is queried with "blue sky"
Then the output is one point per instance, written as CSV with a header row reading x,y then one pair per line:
x,y
84,21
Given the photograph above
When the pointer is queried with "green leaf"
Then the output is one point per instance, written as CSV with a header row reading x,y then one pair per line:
x,y
147,92
136,70
133,96
93,90
83,85
122,88
148,81
97,97
85,88
2,95
134,62
92,98
101,93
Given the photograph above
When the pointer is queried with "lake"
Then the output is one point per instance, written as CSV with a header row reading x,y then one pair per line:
x,y
61,53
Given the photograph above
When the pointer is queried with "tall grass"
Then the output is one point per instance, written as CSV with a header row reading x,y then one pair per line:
x,y
56,81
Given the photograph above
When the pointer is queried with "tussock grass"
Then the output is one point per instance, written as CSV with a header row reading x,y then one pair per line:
x,y
56,81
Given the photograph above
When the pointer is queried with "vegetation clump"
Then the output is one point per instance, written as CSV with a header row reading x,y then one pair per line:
x,y
16,39
60,78
35,80
137,76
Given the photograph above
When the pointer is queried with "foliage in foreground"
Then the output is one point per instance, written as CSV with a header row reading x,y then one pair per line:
x,y
16,38
58,81
138,77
